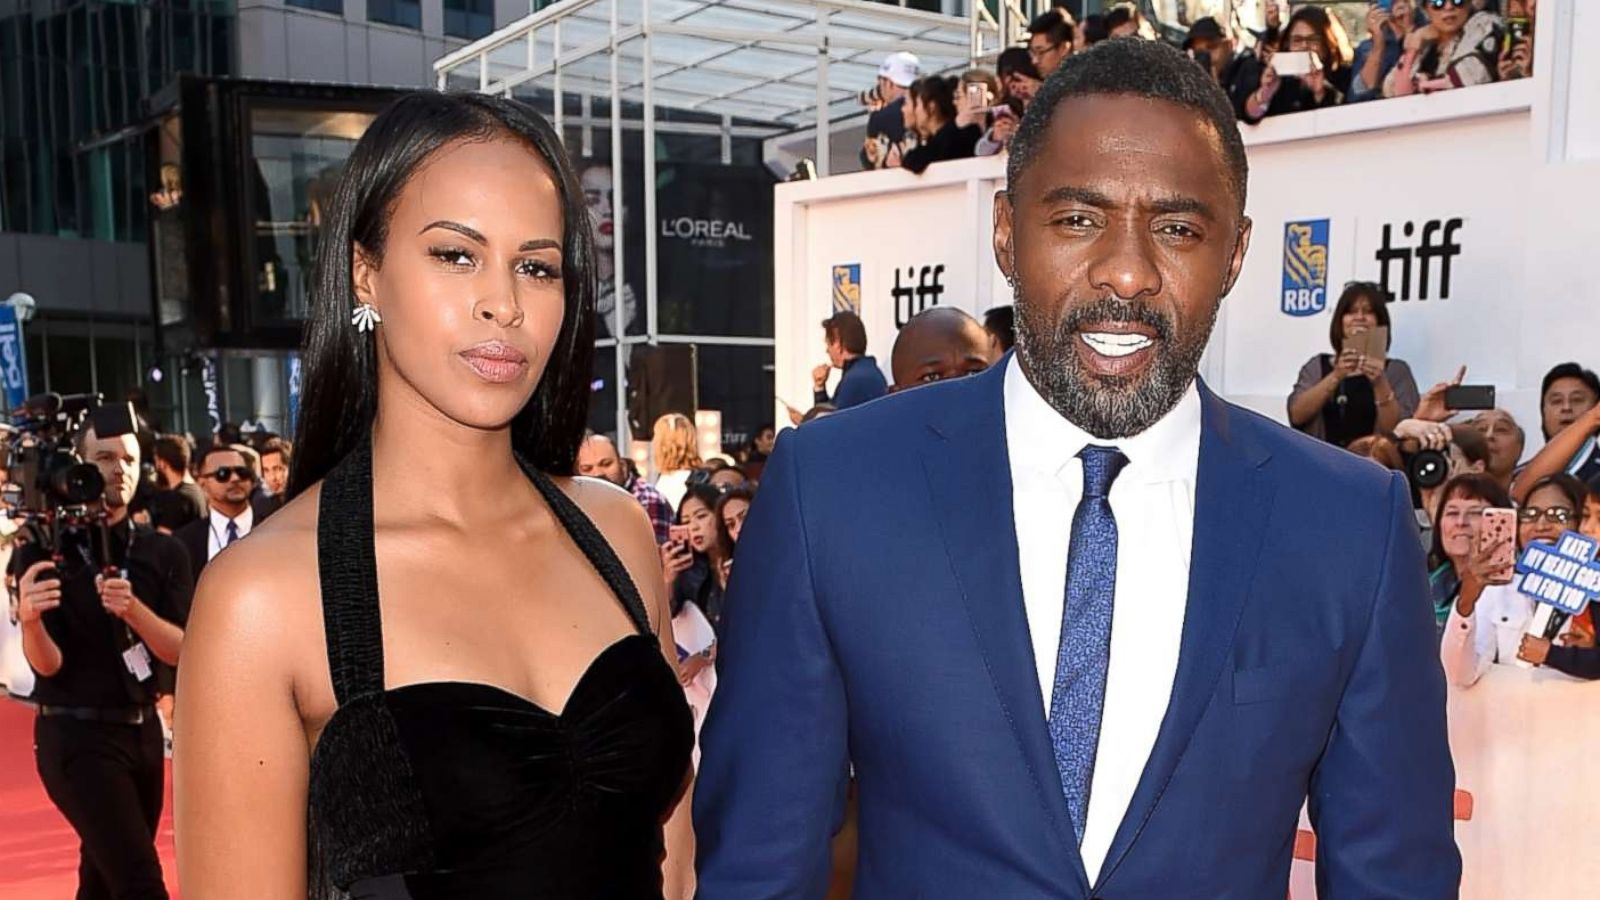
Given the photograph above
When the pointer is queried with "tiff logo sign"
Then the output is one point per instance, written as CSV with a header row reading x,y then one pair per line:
x,y
1430,248
909,300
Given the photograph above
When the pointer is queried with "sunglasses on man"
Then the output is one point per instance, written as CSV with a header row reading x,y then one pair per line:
x,y
225,474
1441,4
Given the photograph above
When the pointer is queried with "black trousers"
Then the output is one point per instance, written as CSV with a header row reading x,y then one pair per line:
x,y
107,780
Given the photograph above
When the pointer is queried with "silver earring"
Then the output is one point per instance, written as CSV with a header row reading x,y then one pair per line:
x,y
366,317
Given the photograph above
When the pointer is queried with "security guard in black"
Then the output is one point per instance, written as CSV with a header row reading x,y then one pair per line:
x,y
95,640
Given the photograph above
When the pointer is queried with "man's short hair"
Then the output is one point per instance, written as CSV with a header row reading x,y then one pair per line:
x,y
1133,68
1002,323
279,446
1569,370
1052,25
175,451
248,455
846,328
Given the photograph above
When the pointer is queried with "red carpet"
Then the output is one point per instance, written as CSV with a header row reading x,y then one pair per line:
x,y
38,851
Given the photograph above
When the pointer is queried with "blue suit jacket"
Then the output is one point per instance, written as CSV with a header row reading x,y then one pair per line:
x,y
875,618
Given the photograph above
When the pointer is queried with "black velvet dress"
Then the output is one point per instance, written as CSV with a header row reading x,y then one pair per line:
x,y
456,789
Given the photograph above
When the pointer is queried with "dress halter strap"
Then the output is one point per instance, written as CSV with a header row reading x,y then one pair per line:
x,y
593,544
347,566
348,569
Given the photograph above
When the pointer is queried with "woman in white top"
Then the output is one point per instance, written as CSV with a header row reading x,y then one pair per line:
x,y
676,448
1490,615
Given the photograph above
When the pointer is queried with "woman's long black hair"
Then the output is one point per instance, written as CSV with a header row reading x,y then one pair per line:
x,y
339,376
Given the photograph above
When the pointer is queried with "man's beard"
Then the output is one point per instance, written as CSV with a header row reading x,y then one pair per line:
x,y
1109,407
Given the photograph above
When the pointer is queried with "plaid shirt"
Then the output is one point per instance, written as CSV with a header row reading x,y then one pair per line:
x,y
655,505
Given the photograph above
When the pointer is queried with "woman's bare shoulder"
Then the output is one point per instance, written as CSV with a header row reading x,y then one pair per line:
x,y
268,582
622,522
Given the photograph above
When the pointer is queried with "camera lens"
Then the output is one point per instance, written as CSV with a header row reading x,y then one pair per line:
x,y
1428,469
70,482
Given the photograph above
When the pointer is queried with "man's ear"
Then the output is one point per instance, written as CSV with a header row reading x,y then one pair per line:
x,y
1004,252
1236,264
363,275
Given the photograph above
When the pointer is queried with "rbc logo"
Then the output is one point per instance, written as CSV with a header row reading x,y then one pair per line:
x,y
1305,267
847,288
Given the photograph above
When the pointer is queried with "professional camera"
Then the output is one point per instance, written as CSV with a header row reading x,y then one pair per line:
x,y
49,484
1428,468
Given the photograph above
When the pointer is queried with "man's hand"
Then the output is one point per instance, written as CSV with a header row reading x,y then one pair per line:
x,y
37,596
1428,435
819,376
116,595
1431,407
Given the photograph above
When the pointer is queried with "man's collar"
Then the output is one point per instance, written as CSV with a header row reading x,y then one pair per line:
x,y
244,520
1045,440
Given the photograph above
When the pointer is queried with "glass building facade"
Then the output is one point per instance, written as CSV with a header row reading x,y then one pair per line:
x,y
76,77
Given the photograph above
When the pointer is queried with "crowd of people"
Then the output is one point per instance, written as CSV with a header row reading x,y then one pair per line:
x,y
1460,464
697,506
1306,62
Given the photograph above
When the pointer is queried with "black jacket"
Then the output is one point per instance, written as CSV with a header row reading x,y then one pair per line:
x,y
195,538
949,142
1579,662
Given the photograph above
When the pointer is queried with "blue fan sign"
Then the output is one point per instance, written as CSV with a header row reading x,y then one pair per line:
x,y
1564,575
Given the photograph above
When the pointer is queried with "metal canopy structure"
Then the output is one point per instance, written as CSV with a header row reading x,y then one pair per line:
x,y
788,63
761,67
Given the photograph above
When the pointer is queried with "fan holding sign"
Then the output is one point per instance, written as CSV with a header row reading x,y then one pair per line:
x,y
1493,611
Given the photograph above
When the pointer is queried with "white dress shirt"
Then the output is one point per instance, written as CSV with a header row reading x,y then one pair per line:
x,y
219,529
1153,502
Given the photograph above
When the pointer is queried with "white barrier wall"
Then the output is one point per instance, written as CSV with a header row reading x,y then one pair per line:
x,y
1487,248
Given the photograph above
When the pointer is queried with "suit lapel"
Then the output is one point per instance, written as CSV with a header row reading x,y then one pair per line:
x,y
969,477
1232,501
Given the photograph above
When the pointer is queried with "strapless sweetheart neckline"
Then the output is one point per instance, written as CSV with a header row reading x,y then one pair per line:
x,y
518,699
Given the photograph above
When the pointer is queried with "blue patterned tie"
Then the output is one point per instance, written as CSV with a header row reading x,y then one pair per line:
x,y
233,532
1085,651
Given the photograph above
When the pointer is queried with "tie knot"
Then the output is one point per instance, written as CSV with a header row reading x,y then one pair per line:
x,y
1101,466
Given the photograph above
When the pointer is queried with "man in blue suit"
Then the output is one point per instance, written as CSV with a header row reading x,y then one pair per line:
x,y
1081,628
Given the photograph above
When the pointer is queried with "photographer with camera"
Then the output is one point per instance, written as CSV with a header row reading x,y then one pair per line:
x,y
886,128
98,615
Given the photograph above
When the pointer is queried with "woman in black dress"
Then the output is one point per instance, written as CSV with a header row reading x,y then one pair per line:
x,y
506,721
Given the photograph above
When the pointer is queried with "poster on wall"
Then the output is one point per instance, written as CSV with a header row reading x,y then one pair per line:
x,y
615,219
714,250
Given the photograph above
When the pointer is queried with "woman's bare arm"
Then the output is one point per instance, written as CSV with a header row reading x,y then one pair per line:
x,y
240,751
